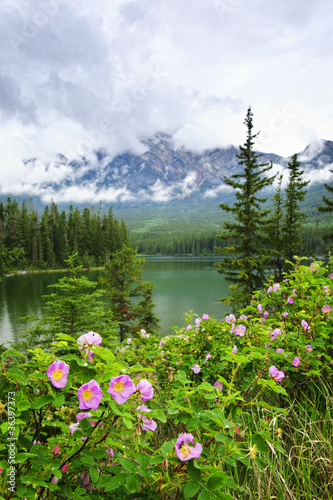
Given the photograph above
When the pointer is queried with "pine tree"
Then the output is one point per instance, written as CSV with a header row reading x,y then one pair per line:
x,y
248,256
294,218
328,207
128,295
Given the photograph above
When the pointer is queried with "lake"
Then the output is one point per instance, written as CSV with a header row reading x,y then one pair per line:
x,y
182,284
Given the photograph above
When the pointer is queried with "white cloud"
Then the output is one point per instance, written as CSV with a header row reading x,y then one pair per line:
x,y
80,77
222,188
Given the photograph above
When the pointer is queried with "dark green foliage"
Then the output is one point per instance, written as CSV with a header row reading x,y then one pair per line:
x,y
179,241
274,230
328,207
248,257
74,308
129,297
293,218
46,242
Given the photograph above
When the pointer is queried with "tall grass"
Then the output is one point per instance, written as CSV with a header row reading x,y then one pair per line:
x,y
305,470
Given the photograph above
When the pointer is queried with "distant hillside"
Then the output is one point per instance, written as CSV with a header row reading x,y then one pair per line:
x,y
165,185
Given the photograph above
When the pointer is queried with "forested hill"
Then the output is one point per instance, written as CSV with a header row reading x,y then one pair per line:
x,y
44,242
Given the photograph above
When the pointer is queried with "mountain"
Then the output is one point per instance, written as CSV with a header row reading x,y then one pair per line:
x,y
162,182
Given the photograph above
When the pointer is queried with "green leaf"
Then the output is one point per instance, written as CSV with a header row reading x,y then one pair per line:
x,y
21,490
181,376
11,352
166,448
193,473
133,482
191,489
16,373
41,401
115,482
223,496
216,481
23,405
272,385
260,442
128,464
204,495
206,387
144,460
59,400
63,336
127,422
159,414
22,457
220,436
94,474
105,354
140,368
157,460
87,460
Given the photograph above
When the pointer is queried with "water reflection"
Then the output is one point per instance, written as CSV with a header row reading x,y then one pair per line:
x,y
182,284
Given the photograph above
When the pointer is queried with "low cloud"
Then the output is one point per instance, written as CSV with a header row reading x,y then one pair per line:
x,y
222,188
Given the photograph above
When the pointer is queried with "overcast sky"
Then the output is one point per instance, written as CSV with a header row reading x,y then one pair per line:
x,y
76,75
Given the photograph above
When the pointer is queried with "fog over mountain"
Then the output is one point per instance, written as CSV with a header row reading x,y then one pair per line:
x,y
98,79
162,173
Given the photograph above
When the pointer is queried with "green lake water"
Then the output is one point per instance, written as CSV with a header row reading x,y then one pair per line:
x,y
182,284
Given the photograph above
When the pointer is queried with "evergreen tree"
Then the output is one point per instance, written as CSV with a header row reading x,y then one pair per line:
x,y
129,297
294,218
248,256
328,207
274,230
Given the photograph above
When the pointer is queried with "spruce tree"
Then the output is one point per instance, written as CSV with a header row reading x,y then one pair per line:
x,y
248,257
129,297
294,218
328,207
274,230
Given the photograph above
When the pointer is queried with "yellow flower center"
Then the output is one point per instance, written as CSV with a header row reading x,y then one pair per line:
x,y
87,394
57,375
185,450
253,451
119,386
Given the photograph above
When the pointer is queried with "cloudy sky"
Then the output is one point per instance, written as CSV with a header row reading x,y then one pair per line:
x,y
76,75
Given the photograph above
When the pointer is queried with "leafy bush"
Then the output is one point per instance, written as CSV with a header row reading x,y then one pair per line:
x,y
225,399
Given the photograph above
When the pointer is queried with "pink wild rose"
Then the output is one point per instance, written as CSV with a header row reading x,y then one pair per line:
x,y
296,362
306,326
145,390
205,316
147,424
230,319
57,373
196,368
234,350
121,388
326,309
90,395
308,348
240,330
184,451
275,374
88,340
218,385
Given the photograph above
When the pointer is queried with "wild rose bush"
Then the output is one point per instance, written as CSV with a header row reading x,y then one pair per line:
x,y
166,418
